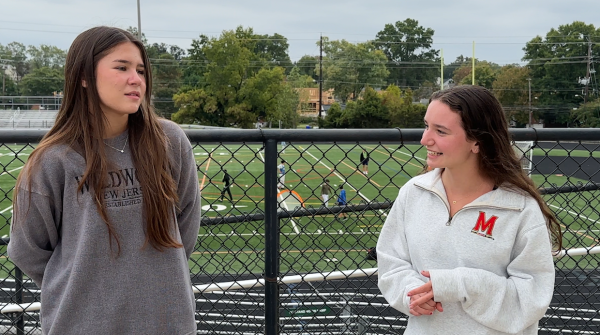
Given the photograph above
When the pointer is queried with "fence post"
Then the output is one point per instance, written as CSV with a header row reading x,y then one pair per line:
x,y
19,299
271,240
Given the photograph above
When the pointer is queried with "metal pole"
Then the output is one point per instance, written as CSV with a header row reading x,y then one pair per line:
x,y
139,21
320,76
473,66
587,74
271,240
19,299
442,70
530,111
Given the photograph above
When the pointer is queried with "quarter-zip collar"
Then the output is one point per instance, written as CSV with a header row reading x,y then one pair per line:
x,y
500,198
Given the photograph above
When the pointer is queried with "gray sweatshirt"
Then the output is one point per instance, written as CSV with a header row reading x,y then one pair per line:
x,y
61,242
491,264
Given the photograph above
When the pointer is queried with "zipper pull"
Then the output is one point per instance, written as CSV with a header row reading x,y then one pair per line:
x,y
449,221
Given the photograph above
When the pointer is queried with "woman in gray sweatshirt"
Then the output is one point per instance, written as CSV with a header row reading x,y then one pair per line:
x,y
107,208
467,247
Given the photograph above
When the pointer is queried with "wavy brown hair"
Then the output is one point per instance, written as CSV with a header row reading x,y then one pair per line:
x,y
80,124
484,121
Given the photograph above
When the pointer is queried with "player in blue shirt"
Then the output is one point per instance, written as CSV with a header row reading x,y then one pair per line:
x,y
342,201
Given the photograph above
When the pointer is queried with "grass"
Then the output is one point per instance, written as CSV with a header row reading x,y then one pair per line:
x,y
320,243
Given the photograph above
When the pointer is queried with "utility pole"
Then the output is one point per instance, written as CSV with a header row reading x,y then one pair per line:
x,y
587,75
320,76
530,111
139,21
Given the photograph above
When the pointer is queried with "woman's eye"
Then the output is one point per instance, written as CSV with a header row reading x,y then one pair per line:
x,y
426,127
141,72
441,132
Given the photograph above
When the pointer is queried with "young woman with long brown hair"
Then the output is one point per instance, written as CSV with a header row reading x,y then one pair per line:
x,y
107,208
467,247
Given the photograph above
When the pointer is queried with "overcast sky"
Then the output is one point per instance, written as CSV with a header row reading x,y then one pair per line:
x,y
499,28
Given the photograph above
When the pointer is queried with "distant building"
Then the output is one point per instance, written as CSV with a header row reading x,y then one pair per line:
x,y
309,101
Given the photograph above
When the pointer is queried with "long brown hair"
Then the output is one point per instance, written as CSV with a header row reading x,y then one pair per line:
x,y
80,124
484,122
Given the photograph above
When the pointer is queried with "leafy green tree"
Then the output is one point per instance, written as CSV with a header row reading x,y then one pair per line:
x,y
166,77
46,56
587,115
274,50
411,59
348,68
298,80
485,74
15,54
286,107
370,112
460,61
558,63
307,65
7,85
425,90
134,31
512,90
42,81
333,119
402,112
240,82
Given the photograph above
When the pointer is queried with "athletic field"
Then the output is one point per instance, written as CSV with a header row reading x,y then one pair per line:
x,y
320,243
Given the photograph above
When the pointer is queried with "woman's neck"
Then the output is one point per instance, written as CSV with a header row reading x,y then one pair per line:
x,y
466,181
115,125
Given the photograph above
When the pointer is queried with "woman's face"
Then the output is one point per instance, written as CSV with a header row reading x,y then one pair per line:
x,y
445,139
120,79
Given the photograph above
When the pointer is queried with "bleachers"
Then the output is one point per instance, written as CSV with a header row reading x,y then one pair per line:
x,y
38,119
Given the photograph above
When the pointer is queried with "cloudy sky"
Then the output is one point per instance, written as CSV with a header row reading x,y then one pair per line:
x,y
499,28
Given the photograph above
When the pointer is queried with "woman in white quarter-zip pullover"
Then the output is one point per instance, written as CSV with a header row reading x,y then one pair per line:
x,y
467,247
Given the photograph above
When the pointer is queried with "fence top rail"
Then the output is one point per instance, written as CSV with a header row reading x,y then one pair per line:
x,y
389,135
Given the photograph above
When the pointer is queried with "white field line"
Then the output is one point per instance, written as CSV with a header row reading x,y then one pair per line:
x,y
294,226
4,210
579,215
13,170
341,178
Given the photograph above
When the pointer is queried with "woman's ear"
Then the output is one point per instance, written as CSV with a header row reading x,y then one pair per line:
x,y
83,83
475,148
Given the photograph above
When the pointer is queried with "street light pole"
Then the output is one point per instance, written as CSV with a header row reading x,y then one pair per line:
x,y
139,21
530,111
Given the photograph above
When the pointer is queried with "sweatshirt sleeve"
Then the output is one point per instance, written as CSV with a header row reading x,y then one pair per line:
x,y
188,190
34,233
396,273
504,304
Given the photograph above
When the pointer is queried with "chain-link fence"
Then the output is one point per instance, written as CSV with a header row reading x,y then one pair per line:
x,y
276,256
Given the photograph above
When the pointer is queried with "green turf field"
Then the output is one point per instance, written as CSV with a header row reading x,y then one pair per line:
x,y
321,243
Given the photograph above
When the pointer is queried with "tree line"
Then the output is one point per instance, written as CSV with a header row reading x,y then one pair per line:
x,y
240,77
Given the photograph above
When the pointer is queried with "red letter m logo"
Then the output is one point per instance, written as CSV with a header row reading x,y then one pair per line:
x,y
484,226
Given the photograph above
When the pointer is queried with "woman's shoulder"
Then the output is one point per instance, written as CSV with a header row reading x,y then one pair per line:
x,y
176,136
50,165
172,129
57,154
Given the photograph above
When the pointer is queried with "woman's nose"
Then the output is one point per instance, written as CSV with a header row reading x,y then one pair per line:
x,y
425,139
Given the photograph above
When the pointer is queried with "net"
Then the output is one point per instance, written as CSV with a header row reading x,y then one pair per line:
x,y
524,152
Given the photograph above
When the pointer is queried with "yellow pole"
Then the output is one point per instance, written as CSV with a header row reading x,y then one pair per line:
x,y
473,70
442,69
